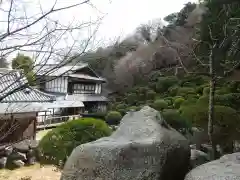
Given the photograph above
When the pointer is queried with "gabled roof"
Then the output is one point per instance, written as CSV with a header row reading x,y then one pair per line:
x,y
9,108
56,70
29,95
15,83
85,76
10,80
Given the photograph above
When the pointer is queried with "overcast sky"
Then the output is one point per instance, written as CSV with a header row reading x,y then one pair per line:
x,y
121,16
125,15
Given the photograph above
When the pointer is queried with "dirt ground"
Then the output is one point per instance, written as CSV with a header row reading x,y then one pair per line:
x,y
34,172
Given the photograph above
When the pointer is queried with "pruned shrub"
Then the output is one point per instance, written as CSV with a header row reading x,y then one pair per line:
x,y
113,117
169,101
206,91
132,108
191,80
203,100
164,83
57,145
160,105
185,91
151,94
121,106
173,90
199,89
175,120
178,102
132,98
226,121
222,91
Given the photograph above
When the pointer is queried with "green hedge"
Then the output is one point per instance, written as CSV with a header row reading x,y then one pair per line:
x,y
160,105
206,91
178,102
164,83
151,95
113,117
185,91
226,120
175,120
58,144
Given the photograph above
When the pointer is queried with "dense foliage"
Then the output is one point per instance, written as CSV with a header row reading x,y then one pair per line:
x,y
113,117
188,105
26,64
58,144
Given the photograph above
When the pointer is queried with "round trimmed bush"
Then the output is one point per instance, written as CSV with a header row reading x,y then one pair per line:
x,y
203,100
206,91
199,89
131,98
160,105
57,145
113,117
121,106
178,102
151,94
185,91
165,82
175,120
132,108
173,90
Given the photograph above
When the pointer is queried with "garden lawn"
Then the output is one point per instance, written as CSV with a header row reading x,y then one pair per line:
x,y
42,133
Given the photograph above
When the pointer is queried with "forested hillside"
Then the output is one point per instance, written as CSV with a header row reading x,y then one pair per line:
x,y
184,69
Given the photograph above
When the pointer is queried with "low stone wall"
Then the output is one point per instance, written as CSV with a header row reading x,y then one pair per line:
x,y
18,154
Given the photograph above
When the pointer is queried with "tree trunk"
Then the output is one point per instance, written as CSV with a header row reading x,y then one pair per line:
x,y
211,105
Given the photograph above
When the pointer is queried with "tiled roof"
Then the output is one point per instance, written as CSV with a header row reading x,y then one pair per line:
x,y
15,83
10,80
85,76
55,70
29,95
8,108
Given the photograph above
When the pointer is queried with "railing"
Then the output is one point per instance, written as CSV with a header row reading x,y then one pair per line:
x,y
55,121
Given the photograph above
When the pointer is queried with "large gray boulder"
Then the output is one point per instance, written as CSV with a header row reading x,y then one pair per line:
x,y
225,168
143,147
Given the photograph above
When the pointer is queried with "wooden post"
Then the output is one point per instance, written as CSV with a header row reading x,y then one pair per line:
x,y
35,127
45,120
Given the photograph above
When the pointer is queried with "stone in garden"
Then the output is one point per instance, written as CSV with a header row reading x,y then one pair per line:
x,y
8,150
143,147
18,156
225,168
18,163
31,158
33,144
5,150
198,158
22,146
3,162
25,145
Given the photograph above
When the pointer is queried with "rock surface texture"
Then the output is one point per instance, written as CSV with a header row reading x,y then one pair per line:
x,y
143,147
225,168
198,158
18,154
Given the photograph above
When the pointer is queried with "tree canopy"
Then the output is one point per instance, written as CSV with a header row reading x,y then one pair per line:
x,y
26,64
